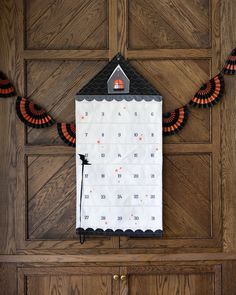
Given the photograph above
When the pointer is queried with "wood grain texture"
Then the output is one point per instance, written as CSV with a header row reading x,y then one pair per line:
x,y
228,272
68,281
7,131
53,85
122,18
7,176
228,113
173,280
177,81
8,279
63,54
51,199
169,24
68,285
116,258
194,284
113,28
187,197
169,53
66,24
60,45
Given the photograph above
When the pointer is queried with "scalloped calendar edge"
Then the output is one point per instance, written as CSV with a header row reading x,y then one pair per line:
x,y
120,232
119,97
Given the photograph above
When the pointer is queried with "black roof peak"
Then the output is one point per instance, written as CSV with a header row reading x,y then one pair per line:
x,y
98,84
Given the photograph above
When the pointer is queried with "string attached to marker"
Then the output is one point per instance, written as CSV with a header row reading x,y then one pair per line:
x,y
81,231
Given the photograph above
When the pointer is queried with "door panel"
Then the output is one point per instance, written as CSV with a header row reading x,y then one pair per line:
x,y
49,50
68,281
159,24
194,284
64,25
174,280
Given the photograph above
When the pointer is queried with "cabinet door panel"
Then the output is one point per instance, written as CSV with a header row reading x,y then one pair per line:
x,y
171,280
68,281
194,284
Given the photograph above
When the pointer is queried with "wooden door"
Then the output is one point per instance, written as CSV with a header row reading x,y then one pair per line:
x,y
54,61
50,49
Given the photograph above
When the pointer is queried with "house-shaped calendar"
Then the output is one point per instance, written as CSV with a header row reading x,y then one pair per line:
x,y
119,154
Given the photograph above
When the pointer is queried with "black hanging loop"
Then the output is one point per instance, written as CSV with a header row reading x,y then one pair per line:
x,y
118,56
81,235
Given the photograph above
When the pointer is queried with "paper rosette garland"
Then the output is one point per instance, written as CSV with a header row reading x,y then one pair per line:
x,y
207,96
175,121
67,133
6,88
230,65
210,93
32,114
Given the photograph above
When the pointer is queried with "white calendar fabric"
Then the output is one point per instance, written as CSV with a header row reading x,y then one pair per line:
x,y
122,188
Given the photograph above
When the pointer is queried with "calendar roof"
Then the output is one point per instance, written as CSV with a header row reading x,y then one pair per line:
x,y
138,84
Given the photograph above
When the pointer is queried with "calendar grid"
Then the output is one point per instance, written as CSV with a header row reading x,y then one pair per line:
x,y
122,186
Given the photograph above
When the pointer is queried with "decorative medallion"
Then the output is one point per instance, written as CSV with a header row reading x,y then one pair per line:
x,y
32,114
230,65
67,133
210,93
6,88
175,121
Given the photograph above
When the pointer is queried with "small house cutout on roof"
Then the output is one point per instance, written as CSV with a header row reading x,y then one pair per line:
x,y
118,81
133,85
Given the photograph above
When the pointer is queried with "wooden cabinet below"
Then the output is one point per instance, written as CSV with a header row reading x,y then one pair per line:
x,y
125,280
